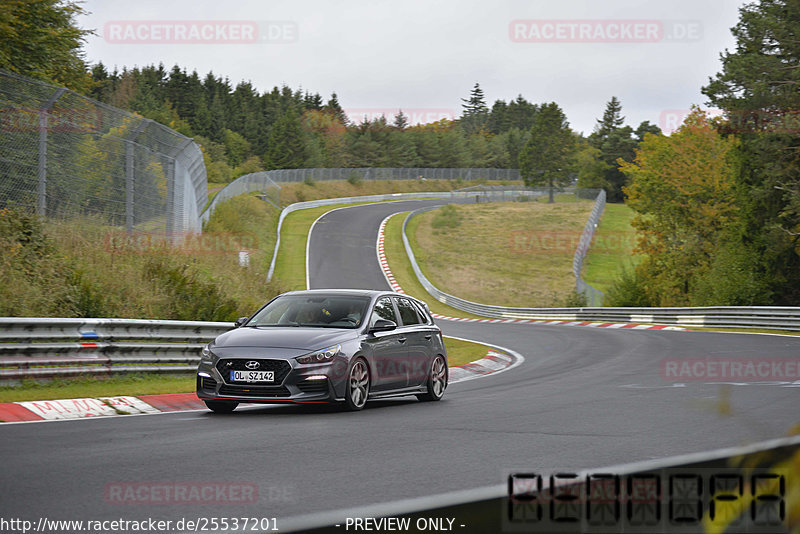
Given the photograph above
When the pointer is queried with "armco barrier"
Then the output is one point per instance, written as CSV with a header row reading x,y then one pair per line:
x,y
47,348
763,317
51,347
268,182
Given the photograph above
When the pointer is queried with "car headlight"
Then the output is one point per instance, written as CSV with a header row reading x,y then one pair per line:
x,y
206,356
320,356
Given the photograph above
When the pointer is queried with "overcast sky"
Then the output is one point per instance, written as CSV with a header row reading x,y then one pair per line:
x,y
424,56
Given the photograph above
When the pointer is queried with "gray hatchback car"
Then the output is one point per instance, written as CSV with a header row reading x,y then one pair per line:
x,y
329,345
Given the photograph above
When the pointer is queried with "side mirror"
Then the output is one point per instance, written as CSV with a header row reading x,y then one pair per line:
x,y
383,325
240,321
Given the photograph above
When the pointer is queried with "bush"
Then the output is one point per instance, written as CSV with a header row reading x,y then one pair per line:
x,y
734,279
35,279
192,298
628,290
575,300
354,179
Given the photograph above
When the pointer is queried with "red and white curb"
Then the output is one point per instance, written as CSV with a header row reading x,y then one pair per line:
x,y
396,287
52,410
493,362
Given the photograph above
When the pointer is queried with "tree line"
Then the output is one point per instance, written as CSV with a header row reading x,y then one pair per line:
x,y
717,202
243,130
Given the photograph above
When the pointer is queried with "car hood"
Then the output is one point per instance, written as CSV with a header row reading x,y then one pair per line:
x,y
284,338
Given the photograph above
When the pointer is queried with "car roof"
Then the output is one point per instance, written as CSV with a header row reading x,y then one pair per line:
x,y
354,292
371,293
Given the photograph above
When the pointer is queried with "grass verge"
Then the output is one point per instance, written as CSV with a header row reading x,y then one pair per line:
x,y
460,352
508,254
401,269
73,388
612,247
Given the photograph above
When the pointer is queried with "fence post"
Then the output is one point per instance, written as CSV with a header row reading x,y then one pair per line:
x,y
41,190
129,175
170,196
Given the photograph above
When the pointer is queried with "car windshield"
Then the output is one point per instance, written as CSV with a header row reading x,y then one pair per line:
x,y
319,311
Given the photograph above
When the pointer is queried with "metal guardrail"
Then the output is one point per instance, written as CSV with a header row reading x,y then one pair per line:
x,y
594,297
268,182
48,348
762,317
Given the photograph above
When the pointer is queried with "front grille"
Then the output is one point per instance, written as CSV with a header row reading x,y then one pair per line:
x,y
313,386
280,367
254,391
208,383
205,382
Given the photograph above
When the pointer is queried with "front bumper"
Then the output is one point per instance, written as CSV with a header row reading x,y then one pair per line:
x,y
294,382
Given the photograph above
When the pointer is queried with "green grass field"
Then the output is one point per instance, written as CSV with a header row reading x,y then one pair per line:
x,y
140,384
508,254
404,274
612,247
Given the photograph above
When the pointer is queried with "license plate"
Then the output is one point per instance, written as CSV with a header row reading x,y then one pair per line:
x,y
252,376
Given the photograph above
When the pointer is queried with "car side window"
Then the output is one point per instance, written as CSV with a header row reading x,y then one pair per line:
x,y
408,313
426,319
383,310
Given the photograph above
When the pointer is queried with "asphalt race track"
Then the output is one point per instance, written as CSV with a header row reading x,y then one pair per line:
x,y
583,398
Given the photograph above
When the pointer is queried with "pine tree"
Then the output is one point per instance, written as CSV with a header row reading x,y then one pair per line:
x,y
335,109
400,120
475,104
286,148
758,90
475,114
612,119
547,157
646,128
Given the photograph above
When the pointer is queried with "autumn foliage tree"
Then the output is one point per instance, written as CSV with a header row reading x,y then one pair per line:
x,y
682,188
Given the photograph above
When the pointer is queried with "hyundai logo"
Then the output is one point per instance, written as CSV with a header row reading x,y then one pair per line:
x,y
252,364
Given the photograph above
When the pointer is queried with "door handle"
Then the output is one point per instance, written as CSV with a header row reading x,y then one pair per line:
x,y
429,337
401,339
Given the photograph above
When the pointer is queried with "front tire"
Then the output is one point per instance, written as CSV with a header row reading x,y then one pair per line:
x,y
437,380
221,406
357,391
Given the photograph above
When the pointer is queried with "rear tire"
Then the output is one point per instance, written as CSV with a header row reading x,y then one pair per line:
x,y
437,380
221,406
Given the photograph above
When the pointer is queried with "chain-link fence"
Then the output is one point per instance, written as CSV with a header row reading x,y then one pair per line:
x,y
389,173
267,182
65,155
594,297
